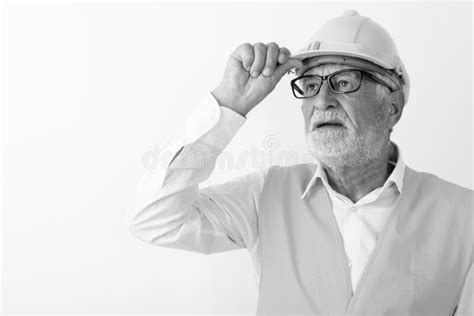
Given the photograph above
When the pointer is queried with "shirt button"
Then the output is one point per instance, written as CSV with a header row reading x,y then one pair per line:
x,y
349,264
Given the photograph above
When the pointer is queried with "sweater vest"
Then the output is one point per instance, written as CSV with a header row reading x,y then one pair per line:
x,y
418,267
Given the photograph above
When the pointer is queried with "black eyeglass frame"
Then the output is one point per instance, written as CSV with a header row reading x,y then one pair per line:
x,y
328,77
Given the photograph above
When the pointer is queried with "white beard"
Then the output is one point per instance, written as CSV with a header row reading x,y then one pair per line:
x,y
343,148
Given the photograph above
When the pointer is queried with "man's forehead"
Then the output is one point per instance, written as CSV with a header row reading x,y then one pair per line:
x,y
325,69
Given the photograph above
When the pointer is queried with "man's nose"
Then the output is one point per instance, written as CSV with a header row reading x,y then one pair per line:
x,y
325,98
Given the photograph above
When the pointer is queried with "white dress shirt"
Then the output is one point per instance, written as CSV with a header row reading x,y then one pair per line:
x,y
170,209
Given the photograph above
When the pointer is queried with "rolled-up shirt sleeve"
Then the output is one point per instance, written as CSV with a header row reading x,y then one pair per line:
x,y
171,210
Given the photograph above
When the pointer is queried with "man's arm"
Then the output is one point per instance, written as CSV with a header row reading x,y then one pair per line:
x,y
171,211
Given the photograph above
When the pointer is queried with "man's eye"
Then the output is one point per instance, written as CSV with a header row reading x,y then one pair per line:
x,y
344,84
311,87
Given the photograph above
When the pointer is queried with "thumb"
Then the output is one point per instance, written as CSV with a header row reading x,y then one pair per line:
x,y
283,69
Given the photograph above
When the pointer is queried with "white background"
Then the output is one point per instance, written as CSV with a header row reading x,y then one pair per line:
x,y
90,89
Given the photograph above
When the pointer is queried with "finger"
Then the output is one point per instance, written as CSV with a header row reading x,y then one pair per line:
x,y
244,54
284,55
260,52
271,59
290,64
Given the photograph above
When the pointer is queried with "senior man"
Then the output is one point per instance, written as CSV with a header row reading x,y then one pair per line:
x,y
356,233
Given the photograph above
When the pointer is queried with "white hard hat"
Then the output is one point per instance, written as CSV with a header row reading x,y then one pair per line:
x,y
358,37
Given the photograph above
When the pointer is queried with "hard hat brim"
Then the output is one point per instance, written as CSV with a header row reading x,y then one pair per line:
x,y
305,55
356,62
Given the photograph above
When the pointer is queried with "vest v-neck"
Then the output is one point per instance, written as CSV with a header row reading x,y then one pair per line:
x,y
326,205
353,294
401,205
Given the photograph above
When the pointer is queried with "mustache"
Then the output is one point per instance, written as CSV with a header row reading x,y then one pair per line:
x,y
321,117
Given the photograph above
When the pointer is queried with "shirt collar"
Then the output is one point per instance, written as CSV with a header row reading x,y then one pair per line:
x,y
395,177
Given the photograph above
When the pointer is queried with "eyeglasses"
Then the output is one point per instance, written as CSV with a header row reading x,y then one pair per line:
x,y
342,81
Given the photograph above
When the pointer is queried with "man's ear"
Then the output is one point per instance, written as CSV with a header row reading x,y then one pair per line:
x,y
395,107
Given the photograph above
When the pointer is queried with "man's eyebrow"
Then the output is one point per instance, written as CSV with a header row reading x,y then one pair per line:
x,y
317,71
310,71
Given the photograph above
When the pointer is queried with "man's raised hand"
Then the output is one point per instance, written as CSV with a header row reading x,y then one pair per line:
x,y
251,73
